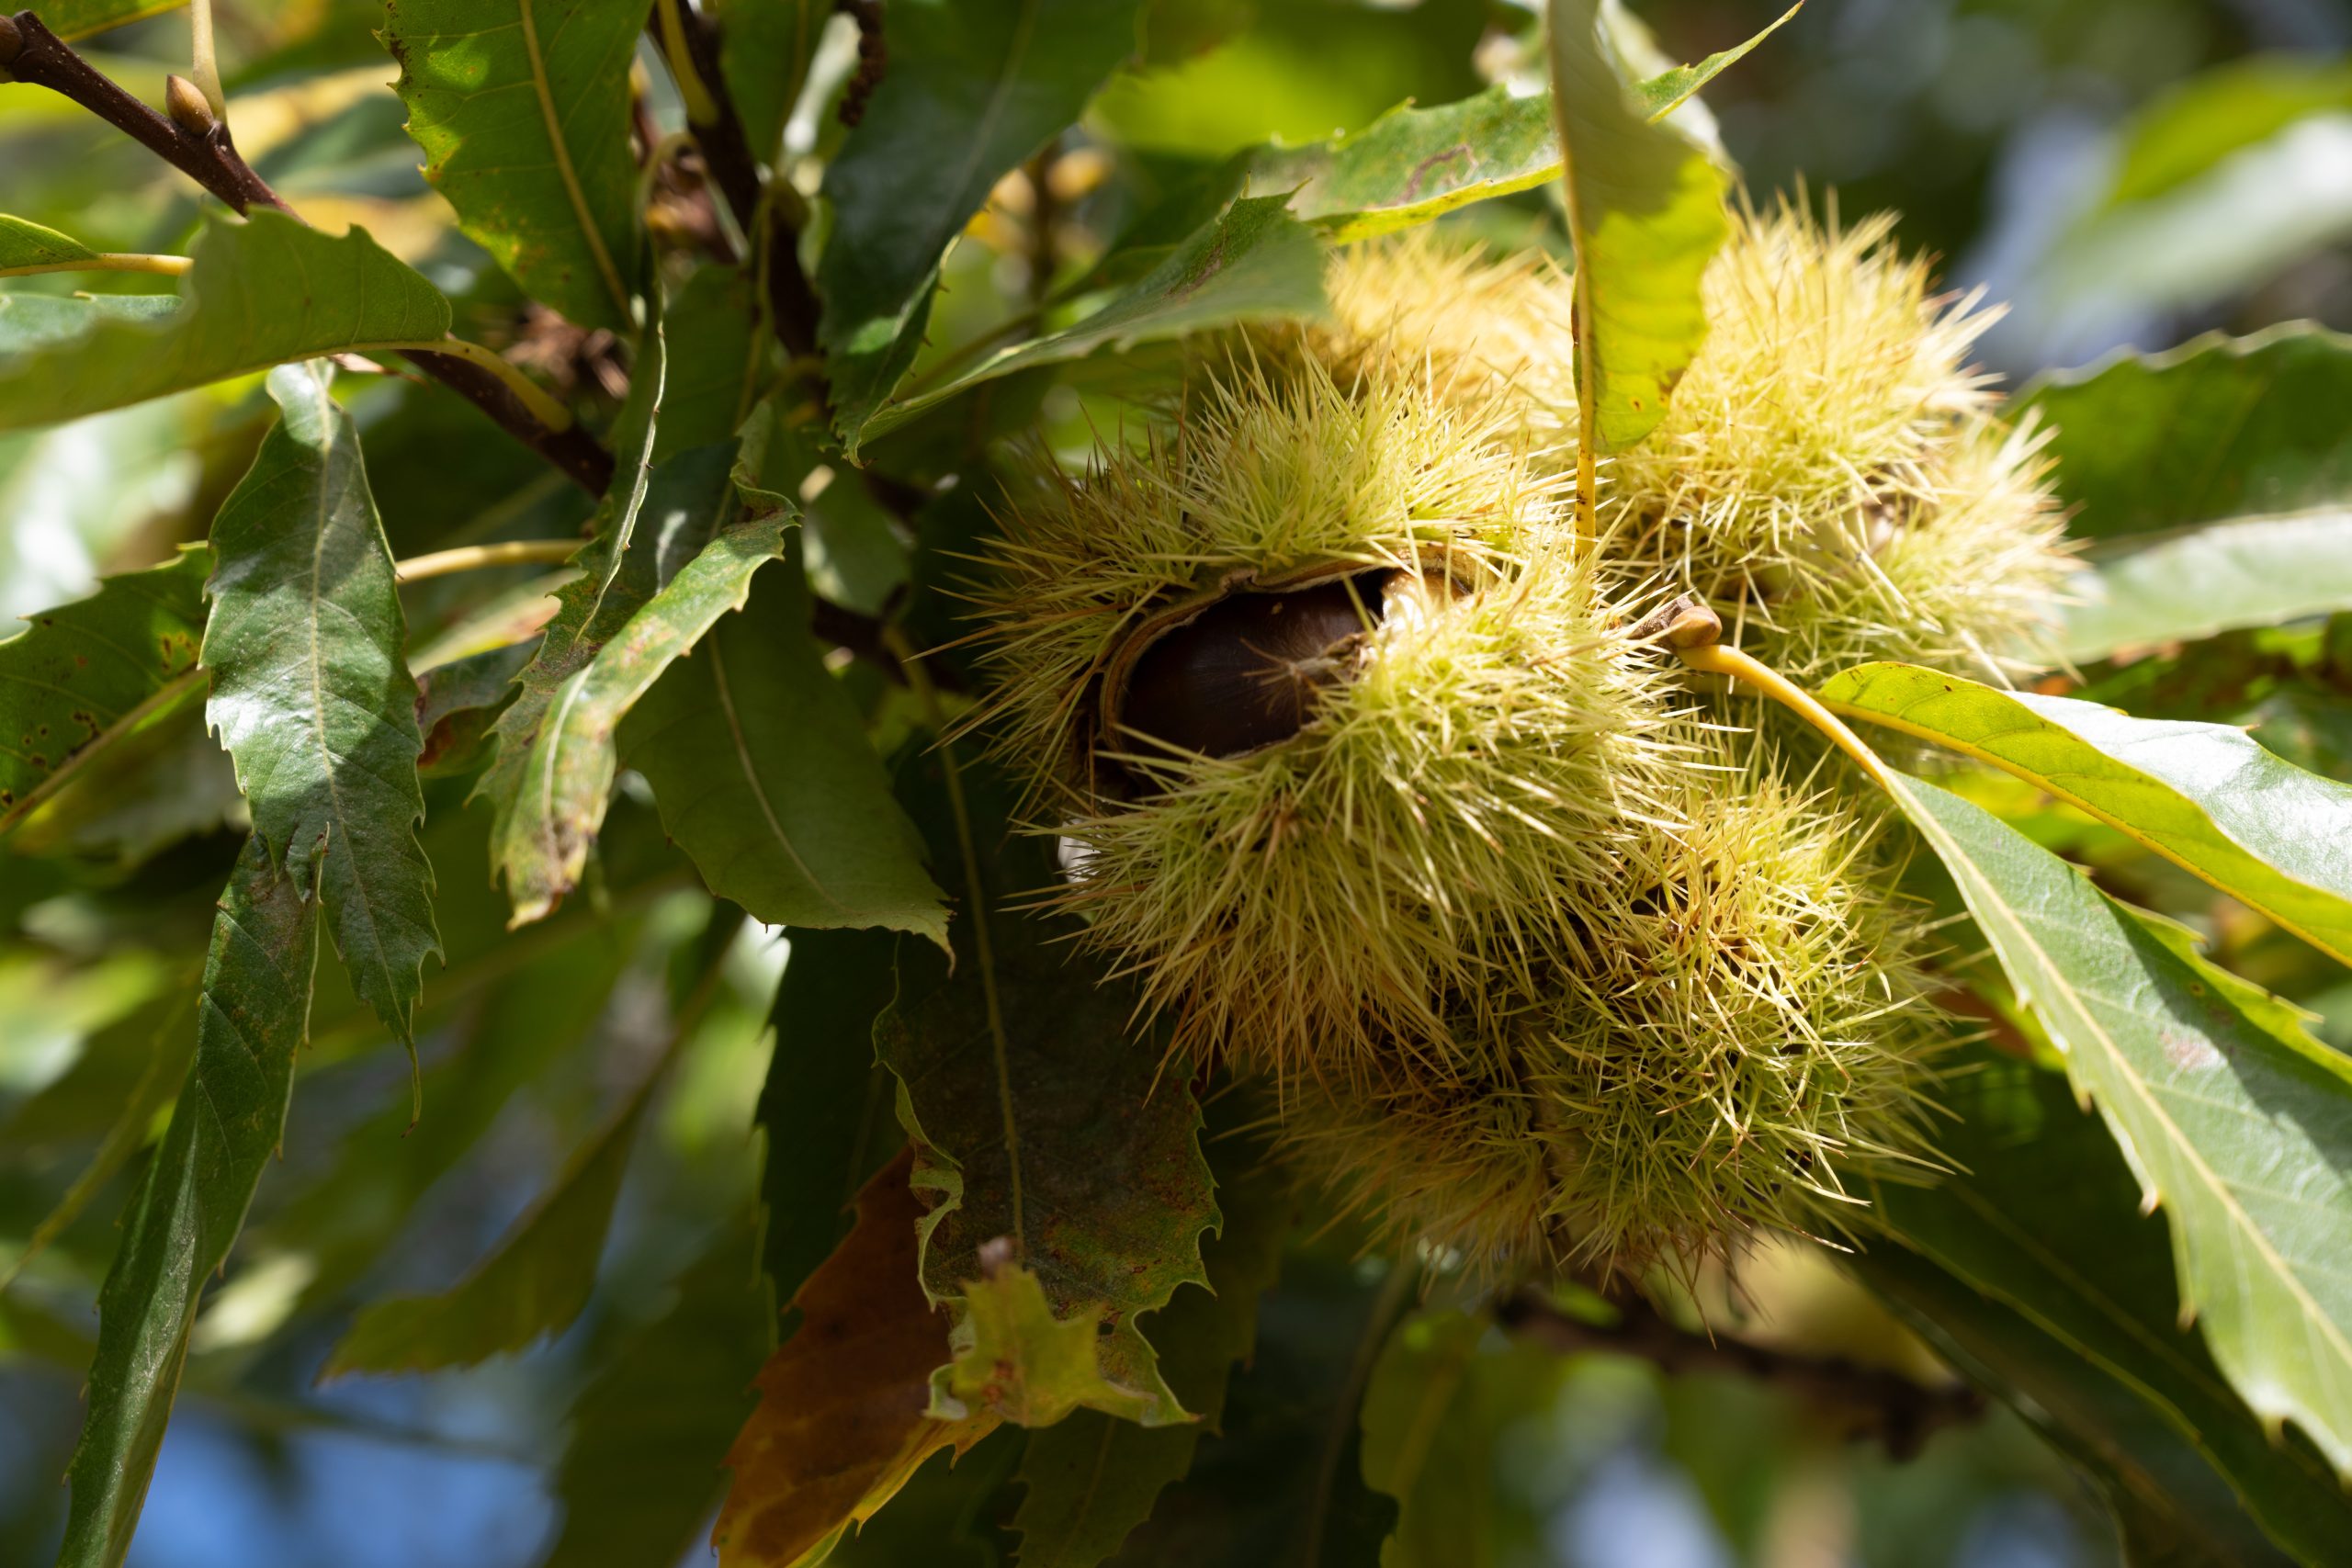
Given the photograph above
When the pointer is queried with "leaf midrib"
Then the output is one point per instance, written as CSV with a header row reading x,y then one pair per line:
x,y
573,191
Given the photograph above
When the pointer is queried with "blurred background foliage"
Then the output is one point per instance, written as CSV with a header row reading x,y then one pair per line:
x,y
2121,172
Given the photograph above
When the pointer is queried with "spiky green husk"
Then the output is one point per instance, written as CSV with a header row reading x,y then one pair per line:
x,y
1309,907
1830,477
1733,1037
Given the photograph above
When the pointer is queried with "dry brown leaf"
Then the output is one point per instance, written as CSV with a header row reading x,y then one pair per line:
x,y
840,1426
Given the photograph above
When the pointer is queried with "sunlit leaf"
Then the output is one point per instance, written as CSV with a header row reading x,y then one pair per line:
x,y
223,1133
522,109
71,19
1646,210
1252,262
842,1424
263,292
2248,571
973,87
311,694
2218,428
1040,1116
764,775
2232,1116
2206,796
85,674
2030,1266
1091,1480
27,245
1014,1357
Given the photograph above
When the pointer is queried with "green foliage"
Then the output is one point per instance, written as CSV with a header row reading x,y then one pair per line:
x,y
765,779
311,694
252,1009
1645,212
974,86
2232,1117
522,109
85,673
2034,1269
1093,1307
1006,1042
2203,796
354,296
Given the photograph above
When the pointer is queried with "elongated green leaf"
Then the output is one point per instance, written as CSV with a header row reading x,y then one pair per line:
x,y
522,109
2221,427
643,1470
262,292
717,356
86,673
1253,262
2206,796
764,777
310,690
569,771
1668,90
1441,1405
533,1284
72,20
26,245
974,86
250,1019
1281,1484
1037,1116
764,50
2232,1116
29,323
1092,1479
2248,571
1646,209
2031,1265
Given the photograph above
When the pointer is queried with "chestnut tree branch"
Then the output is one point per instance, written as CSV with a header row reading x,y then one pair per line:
x,y
1868,1401
199,146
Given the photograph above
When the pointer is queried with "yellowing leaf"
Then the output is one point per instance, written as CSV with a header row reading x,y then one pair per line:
x,y
1014,1357
842,1422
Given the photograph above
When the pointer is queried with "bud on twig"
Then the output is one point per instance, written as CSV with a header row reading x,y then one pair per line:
x,y
12,39
185,102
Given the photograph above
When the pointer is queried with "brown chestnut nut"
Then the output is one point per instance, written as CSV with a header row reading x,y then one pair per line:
x,y
1244,673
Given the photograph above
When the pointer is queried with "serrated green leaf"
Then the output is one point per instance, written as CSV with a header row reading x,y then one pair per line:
x,y
521,108
534,1284
26,246
643,1470
2232,1116
1668,90
2030,1266
1280,1486
2220,427
2247,571
2206,796
311,696
716,357
764,775
1646,211
826,1107
263,292
568,773
1441,1405
1037,1115
251,1018
1252,262
86,673
973,87
1092,1480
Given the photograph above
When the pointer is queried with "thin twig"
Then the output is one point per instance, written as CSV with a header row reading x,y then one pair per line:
x,y
106,261
476,557
1868,1401
30,53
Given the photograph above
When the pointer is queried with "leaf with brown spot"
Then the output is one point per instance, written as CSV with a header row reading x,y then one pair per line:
x,y
842,1424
